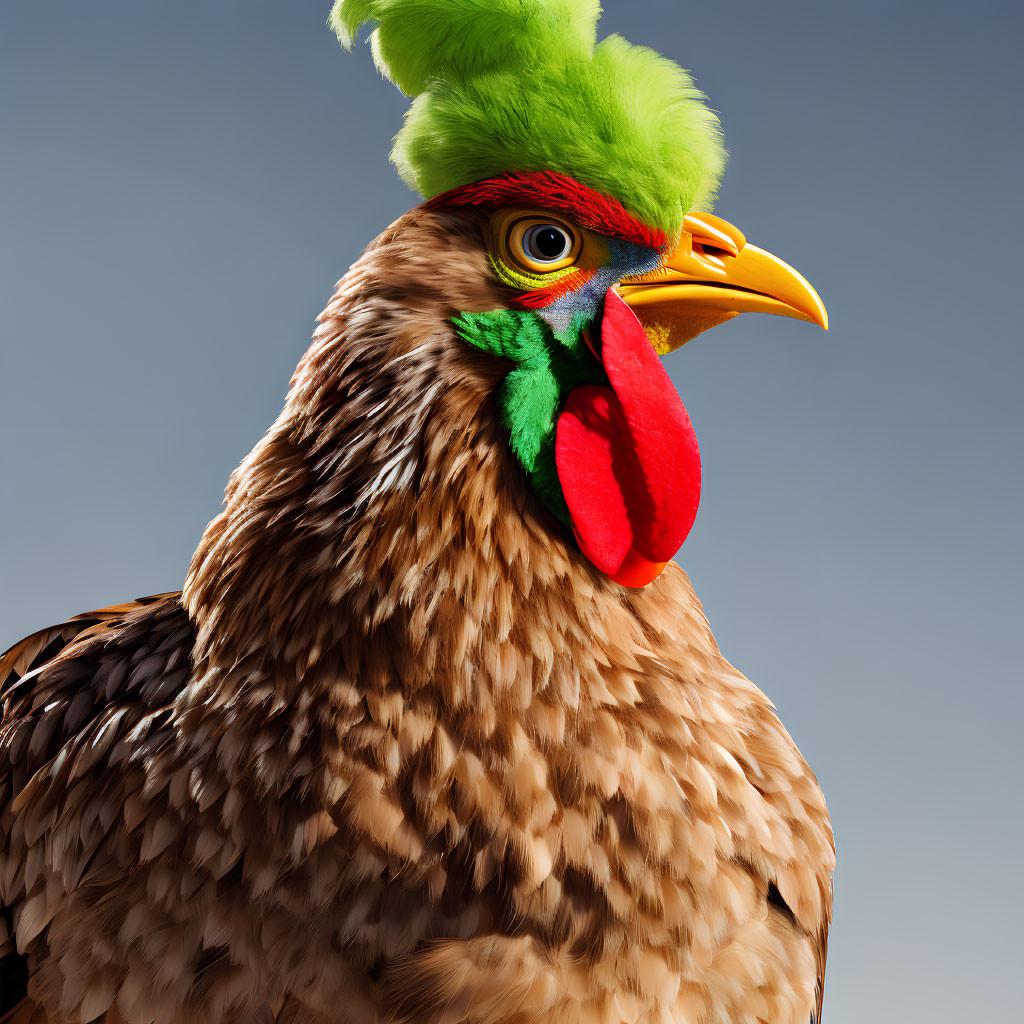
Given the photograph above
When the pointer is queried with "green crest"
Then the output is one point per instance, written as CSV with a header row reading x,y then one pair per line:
x,y
522,85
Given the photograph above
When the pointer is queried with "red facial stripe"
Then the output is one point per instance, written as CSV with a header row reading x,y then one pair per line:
x,y
542,297
552,191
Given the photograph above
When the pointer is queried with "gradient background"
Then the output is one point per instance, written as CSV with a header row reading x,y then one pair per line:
x,y
181,184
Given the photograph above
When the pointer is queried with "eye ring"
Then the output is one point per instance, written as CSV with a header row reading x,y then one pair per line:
x,y
546,243
542,244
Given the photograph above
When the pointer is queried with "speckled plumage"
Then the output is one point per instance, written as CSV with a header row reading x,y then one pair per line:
x,y
398,752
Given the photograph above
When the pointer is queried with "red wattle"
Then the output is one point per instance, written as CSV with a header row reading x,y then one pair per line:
x,y
627,457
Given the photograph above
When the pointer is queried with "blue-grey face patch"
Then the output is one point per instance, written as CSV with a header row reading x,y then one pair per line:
x,y
573,310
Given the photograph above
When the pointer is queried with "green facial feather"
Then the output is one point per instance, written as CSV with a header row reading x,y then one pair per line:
x,y
547,367
519,85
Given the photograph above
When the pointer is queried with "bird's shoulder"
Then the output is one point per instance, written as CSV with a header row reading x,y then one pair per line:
x,y
61,687
68,693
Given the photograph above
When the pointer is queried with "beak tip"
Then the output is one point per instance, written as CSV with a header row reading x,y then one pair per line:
x,y
815,310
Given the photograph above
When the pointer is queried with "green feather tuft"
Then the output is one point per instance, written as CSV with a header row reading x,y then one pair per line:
x,y
520,85
547,368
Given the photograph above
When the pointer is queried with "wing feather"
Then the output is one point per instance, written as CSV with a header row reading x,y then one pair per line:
x,y
18,664
44,645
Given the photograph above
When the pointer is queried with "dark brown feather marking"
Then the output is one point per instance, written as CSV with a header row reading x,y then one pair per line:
x,y
32,674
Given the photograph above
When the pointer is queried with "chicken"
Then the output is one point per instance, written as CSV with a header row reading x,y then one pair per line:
x,y
436,731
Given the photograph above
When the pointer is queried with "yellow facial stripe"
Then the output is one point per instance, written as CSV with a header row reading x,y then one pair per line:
x,y
523,280
513,266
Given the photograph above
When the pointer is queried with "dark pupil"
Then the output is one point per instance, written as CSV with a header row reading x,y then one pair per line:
x,y
550,243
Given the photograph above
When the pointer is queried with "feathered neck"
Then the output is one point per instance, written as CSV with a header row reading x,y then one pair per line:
x,y
381,527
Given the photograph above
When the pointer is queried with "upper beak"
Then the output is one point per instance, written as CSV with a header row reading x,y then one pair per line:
x,y
713,275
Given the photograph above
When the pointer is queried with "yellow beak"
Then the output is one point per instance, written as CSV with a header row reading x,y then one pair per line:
x,y
713,275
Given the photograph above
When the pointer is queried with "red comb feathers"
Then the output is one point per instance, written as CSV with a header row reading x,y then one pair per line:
x,y
552,191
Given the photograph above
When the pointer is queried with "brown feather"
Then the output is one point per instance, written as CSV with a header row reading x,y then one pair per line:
x,y
398,751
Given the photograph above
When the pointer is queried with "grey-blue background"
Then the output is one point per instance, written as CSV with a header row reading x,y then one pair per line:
x,y
181,184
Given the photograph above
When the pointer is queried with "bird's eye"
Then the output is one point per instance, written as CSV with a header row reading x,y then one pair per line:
x,y
542,244
546,243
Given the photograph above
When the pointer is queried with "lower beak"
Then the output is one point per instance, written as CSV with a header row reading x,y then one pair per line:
x,y
713,275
